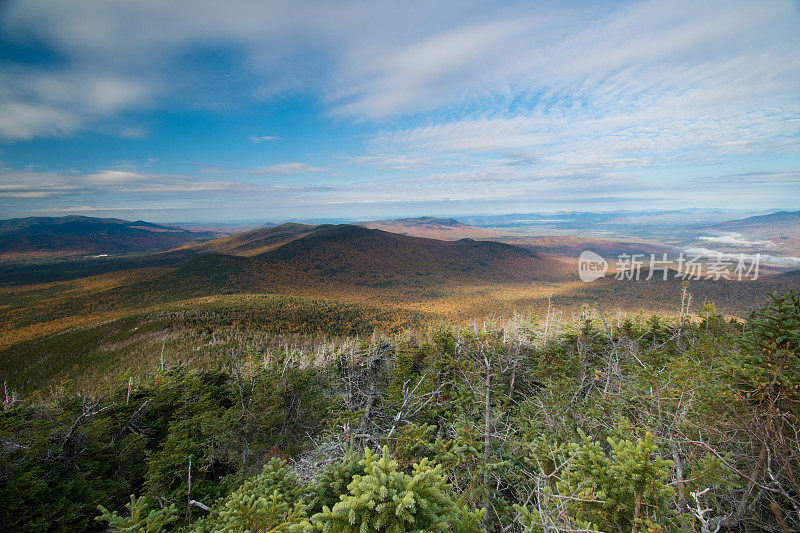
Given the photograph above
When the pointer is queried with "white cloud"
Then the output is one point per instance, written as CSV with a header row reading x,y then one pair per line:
x,y
133,133
114,177
426,74
393,161
473,100
706,53
285,169
35,103
21,121
32,184
663,71
773,177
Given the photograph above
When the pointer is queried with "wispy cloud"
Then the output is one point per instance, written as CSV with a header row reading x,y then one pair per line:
x,y
439,101
32,184
384,61
788,176
284,169
35,103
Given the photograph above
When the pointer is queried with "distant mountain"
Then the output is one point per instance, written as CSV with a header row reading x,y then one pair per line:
x,y
254,242
776,233
31,237
432,221
780,222
357,256
447,229
573,246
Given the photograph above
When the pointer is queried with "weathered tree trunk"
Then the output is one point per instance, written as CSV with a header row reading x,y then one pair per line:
x,y
740,513
372,387
487,431
676,458
637,498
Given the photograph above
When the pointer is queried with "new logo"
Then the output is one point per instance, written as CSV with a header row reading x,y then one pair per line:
x,y
591,266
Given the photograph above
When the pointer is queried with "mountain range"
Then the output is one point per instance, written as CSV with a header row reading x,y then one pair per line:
x,y
777,233
409,251
461,277
446,229
79,235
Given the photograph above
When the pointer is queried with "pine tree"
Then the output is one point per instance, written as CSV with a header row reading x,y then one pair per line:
x,y
387,500
627,489
142,518
333,482
770,371
768,375
777,324
269,502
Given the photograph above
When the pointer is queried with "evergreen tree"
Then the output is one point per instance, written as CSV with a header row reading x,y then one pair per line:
x,y
269,502
387,500
333,482
768,375
770,370
142,517
627,489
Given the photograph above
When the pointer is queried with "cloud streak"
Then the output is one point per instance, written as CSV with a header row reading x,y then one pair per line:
x,y
383,61
439,101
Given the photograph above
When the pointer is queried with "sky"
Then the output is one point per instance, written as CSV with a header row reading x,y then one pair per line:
x,y
263,110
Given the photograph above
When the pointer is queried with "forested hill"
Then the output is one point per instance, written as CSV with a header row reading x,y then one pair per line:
x,y
433,228
256,241
22,238
356,249
356,256
772,221
524,425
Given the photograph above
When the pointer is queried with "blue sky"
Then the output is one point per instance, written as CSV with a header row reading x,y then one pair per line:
x,y
258,110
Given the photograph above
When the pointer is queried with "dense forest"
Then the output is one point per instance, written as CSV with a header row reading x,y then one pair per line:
x,y
526,424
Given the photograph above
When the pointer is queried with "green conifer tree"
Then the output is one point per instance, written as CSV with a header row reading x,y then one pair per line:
x,y
142,517
333,482
626,489
770,371
387,500
269,502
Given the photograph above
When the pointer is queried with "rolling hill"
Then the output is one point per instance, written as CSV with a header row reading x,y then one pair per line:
x,y
366,252
777,233
572,247
446,229
348,255
41,237
780,222
256,241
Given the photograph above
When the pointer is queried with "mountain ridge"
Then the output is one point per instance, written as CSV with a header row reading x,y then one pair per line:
x,y
74,235
351,255
448,229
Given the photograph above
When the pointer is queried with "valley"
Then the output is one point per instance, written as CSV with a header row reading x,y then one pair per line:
x,y
416,278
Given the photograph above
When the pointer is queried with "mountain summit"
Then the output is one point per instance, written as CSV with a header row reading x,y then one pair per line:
x,y
356,256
